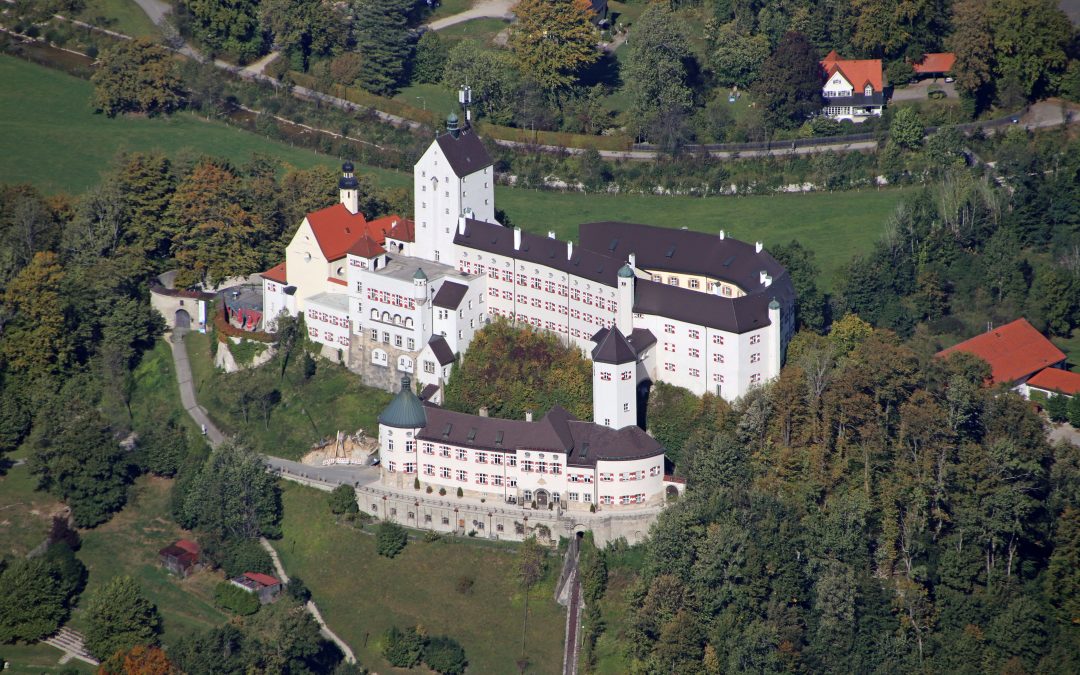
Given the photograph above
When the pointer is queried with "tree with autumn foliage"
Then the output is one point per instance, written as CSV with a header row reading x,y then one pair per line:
x,y
217,237
553,40
139,660
512,370
36,340
137,76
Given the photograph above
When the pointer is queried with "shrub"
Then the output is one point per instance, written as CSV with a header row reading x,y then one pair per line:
x,y
444,655
1057,407
460,493
235,557
343,500
298,590
428,490
403,649
234,599
442,492
1074,411
416,483
390,539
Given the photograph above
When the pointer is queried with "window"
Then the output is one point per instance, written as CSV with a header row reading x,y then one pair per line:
x,y
391,467
429,367
694,372
607,421
511,461
605,376
607,477
428,449
673,281
669,367
410,446
693,283
374,334
606,499
429,469
755,378
496,480
658,279
755,339
462,475
718,339
586,497
444,472
717,377
386,337
526,465
669,328
695,353
410,344
496,458
626,375
528,495
556,469
717,357
444,451
755,358
694,334
482,478
462,455
573,496
541,467
410,467
390,445
626,407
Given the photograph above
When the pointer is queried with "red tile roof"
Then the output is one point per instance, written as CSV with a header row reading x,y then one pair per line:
x,y
366,247
1056,379
935,63
402,230
856,71
393,225
336,229
1014,351
188,545
339,282
276,273
264,579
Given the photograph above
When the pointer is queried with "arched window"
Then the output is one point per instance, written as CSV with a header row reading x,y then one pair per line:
x,y
386,317
397,319
408,322
375,314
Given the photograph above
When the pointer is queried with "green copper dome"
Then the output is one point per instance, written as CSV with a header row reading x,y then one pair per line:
x,y
419,274
405,411
626,271
774,304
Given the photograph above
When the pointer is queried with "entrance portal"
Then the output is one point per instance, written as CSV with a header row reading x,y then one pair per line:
x,y
541,497
183,319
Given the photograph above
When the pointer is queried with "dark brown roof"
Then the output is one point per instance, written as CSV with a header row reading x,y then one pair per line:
x,y
682,251
734,315
641,339
558,431
428,392
493,238
441,349
613,348
465,153
450,295
595,441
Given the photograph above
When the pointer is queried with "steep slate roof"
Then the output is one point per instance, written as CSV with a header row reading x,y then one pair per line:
x,y
450,295
613,348
1014,351
941,62
595,441
336,229
276,273
734,315
858,72
366,247
465,153
405,411
1056,379
441,349
682,251
492,238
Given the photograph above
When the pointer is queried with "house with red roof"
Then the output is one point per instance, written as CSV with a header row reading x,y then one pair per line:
x,y
1020,357
262,585
854,89
935,65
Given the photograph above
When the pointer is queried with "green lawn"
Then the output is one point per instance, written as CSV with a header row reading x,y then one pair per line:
x,y
480,30
123,16
362,594
156,396
39,658
834,225
448,8
25,514
435,97
1071,347
615,608
331,401
50,137
128,544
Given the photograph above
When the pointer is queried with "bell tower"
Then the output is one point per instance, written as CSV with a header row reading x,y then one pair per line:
x,y
349,188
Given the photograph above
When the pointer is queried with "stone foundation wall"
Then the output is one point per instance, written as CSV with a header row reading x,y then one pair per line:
x,y
388,377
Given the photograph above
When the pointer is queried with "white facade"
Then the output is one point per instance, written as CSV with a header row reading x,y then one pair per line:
x,y
276,302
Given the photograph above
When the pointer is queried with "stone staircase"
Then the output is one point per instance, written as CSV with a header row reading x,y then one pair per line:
x,y
71,643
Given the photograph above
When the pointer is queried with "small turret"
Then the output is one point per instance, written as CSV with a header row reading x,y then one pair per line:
x,y
420,286
452,125
349,188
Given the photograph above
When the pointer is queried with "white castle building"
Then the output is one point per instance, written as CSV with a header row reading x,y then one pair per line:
x,y
394,298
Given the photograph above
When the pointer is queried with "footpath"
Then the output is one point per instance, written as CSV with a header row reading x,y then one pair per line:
x,y
215,438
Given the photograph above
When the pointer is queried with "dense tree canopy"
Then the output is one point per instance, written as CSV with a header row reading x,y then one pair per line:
x,y
233,496
552,40
36,594
789,88
658,74
137,76
513,370
119,617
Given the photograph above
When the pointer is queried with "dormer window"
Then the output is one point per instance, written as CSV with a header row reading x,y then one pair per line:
x,y
869,90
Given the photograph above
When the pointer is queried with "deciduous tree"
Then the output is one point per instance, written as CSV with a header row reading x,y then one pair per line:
x,y
657,71
234,497
789,88
553,40
119,617
137,76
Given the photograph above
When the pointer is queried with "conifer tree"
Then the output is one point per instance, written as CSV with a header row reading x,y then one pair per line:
x,y
381,34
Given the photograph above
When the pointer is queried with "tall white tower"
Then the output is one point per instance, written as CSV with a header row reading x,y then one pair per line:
x,y
349,188
624,318
614,381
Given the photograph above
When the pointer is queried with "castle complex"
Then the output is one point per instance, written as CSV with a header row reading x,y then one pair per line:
x,y
396,298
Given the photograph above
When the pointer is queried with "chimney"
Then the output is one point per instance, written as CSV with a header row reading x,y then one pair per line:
x,y
758,246
569,250
762,276
632,261
461,225
551,234
722,235
483,412
768,281
517,238
528,416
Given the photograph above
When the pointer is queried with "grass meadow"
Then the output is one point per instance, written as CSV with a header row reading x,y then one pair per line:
x,y
49,137
362,594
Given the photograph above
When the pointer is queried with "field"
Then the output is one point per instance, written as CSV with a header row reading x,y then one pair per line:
x,y
434,97
25,515
448,8
332,400
46,123
123,16
615,609
478,30
39,658
362,594
1071,347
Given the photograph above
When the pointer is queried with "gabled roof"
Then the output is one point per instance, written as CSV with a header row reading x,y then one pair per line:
x,y
450,295
188,545
1014,351
393,226
465,153
366,247
1056,379
859,72
336,229
260,578
613,348
276,273
941,62
441,349
733,315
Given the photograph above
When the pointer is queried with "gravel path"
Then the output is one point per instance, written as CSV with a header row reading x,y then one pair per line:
x,y
483,9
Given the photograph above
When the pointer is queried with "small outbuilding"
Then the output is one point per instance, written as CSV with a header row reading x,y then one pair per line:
x,y
181,557
264,586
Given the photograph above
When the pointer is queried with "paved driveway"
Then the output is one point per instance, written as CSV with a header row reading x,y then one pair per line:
x,y
918,91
